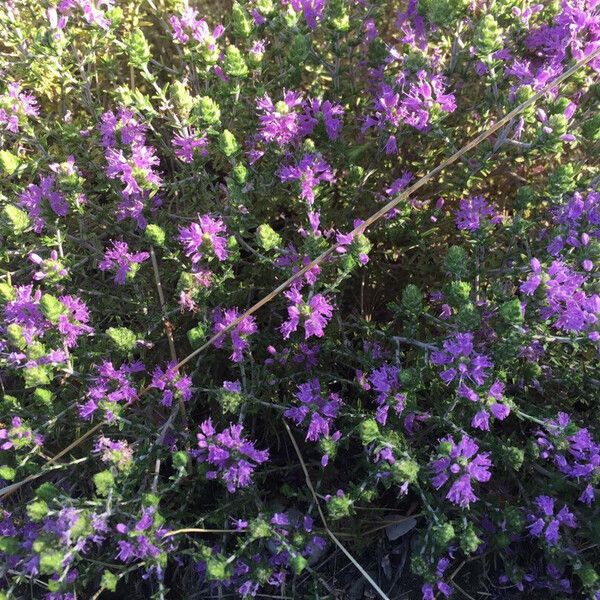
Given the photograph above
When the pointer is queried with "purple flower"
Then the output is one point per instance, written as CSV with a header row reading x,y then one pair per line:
x,y
117,452
50,268
91,10
186,145
232,457
461,464
15,107
571,307
578,225
315,313
385,381
315,410
189,26
424,96
43,201
239,334
574,32
121,129
544,521
572,449
121,262
312,9
462,360
473,213
111,386
131,162
202,239
493,404
311,171
19,435
412,26
428,589
72,322
172,384
331,113
280,122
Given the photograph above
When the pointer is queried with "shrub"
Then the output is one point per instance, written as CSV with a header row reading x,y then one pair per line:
x,y
163,170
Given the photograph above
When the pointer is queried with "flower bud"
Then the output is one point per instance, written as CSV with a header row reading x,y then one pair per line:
x,y
180,459
209,111
488,37
196,336
235,65
412,299
228,143
242,23
455,262
217,568
511,312
104,482
469,541
123,339
267,237
13,220
139,49
8,162
37,510
369,431
443,534
155,235
458,293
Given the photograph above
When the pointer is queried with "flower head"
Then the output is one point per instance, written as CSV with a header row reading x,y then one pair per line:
x,y
461,464
545,522
121,262
232,457
203,239
315,313
239,334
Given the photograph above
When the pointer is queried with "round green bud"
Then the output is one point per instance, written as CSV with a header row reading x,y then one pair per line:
x,y
155,235
588,575
443,534
180,459
369,431
267,237
123,340
37,510
228,144
469,541
104,482
511,312
209,110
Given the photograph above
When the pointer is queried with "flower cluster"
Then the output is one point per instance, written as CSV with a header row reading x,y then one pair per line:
x,y
191,196
315,314
231,457
111,386
131,161
171,384
121,262
314,410
461,464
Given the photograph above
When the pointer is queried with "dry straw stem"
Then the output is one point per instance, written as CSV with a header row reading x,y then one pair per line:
x,y
356,231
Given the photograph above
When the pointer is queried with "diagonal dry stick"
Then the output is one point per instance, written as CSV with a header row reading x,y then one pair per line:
x,y
357,230
324,520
